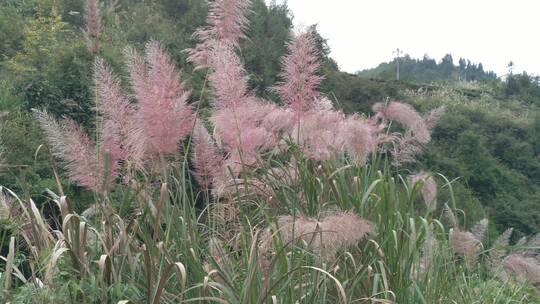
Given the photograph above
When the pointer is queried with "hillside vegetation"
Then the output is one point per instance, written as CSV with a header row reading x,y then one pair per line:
x,y
177,151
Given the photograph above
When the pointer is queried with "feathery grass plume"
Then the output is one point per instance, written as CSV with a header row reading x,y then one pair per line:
x,y
237,115
406,115
69,143
325,104
334,232
359,138
279,121
299,79
207,161
468,244
121,135
498,249
226,23
316,134
479,229
404,149
522,268
450,217
533,244
434,116
163,112
92,25
240,136
428,188
228,79
465,244
418,130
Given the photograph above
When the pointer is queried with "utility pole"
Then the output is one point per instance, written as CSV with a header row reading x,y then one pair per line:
x,y
398,53
510,67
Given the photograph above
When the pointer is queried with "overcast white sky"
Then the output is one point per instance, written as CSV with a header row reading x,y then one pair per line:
x,y
363,33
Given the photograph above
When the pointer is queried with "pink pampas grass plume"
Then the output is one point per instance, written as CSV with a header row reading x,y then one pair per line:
x,y
522,268
468,244
78,154
92,22
207,161
498,249
406,115
317,135
359,139
121,133
279,120
326,237
417,133
479,229
433,117
226,23
465,244
428,188
238,117
299,79
228,79
163,112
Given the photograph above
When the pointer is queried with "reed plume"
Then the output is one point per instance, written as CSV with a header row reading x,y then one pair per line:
x,y
92,25
325,237
226,22
69,143
428,188
298,88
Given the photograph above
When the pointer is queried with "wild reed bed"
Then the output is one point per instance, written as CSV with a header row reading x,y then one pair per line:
x,y
290,203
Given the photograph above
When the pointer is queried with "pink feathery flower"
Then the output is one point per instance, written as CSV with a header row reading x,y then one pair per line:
x,y
332,233
428,189
227,22
400,112
521,267
407,116
433,118
298,87
359,138
498,249
237,114
405,149
466,244
121,134
207,161
92,22
317,134
70,144
418,130
163,112
228,79
278,120
479,229
240,137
